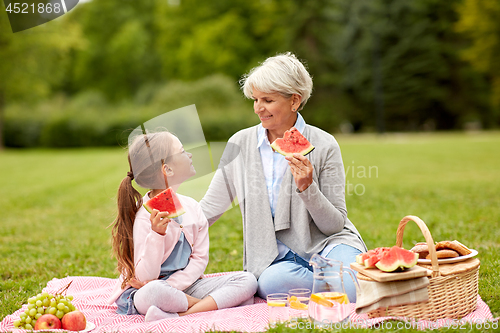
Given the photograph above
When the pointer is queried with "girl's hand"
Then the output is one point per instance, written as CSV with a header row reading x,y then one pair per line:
x,y
137,284
302,171
159,222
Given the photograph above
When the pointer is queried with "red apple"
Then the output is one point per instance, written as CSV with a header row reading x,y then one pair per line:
x,y
74,321
48,321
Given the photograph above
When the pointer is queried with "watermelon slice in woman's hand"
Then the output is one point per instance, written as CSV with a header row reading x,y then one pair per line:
x,y
292,143
166,201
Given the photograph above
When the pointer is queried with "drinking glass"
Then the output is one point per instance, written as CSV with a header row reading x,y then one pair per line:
x,y
298,300
277,305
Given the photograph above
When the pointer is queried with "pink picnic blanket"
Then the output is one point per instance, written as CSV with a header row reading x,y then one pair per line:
x,y
90,295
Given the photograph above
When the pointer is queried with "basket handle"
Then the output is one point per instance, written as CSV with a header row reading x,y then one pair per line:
x,y
428,238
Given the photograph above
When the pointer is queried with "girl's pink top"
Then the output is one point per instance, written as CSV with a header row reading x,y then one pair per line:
x,y
152,249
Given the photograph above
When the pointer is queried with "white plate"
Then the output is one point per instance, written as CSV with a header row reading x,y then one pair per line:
x,y
449,260
90,326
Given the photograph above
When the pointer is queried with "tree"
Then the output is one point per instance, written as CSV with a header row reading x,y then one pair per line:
x,y
119,55
32,61
229,37
410,47
479,21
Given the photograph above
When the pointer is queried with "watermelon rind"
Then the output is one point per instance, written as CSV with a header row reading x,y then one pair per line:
x,y
286,139
170,216
358,259
388,263
397,259
304,152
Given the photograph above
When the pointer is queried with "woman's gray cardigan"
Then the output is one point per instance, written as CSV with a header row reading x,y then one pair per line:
x,y
305,222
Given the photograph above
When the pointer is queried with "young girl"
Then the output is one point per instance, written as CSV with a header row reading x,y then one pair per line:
x,y
161,260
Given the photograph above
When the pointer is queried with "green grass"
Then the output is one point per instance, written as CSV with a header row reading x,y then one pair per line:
x,y
56,206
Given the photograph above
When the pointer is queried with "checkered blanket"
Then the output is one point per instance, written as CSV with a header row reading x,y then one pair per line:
x,y
90,295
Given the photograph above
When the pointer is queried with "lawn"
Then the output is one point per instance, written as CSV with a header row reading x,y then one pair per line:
x,y
56,206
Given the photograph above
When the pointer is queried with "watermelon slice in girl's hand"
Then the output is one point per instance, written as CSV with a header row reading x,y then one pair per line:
x,y
292,143
166,201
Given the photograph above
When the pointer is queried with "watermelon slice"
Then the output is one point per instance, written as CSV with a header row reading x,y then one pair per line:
x,y
370,258
360,258
292,143
397,259
166,201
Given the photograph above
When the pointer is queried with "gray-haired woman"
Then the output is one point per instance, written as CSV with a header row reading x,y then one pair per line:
x,y
292,207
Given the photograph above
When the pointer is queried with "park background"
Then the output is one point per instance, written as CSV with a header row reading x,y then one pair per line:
x,y
381,65
410,88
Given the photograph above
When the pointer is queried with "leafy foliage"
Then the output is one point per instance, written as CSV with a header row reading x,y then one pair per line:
x,y
479,21
388,63
89,119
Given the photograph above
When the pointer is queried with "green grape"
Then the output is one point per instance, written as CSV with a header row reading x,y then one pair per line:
x,y
23,316
33,312
31,306
53,303
45,294
58,298
32,300
59,314
64,301
41,310
66,309
39,297
70,297
52,310
17,323
33,323
28,320
38,315
39,303
27,312
72,307
28,327
46,302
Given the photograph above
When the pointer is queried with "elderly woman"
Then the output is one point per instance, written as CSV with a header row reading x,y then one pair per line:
x,y
292,207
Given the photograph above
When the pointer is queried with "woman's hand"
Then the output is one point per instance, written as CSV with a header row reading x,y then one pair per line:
x,y
159,222
302,171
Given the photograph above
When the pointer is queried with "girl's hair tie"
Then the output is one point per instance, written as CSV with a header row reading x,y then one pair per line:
x,y
130,174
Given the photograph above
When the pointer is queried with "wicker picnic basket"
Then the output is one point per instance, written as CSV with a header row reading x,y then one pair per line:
x,y
453,288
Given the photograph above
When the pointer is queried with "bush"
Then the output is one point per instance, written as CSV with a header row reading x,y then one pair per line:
x,y
88,119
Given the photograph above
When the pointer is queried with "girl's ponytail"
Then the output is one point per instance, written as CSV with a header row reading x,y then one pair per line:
x,y
129,202
147,172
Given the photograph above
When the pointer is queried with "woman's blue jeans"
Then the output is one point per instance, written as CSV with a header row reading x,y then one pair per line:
x,y
294,272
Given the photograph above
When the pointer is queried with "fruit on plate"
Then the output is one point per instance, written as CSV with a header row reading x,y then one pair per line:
x,y
74,321
370,258
57,305
166,201
292,143
397,259
48,321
